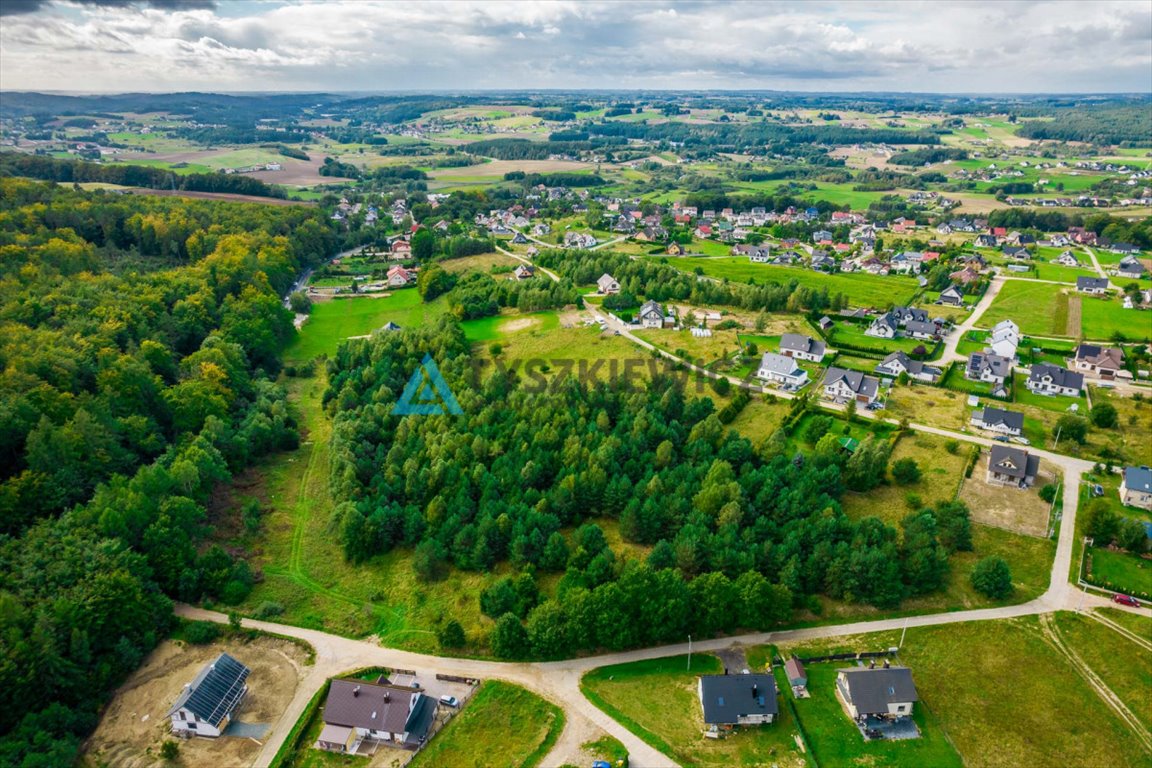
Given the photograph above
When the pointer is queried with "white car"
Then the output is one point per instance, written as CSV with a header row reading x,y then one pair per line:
x,y
450,701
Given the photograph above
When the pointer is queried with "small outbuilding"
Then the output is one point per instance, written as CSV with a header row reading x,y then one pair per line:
x,y
797,676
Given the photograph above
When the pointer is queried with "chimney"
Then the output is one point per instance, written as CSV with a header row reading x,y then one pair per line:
x,y
754,691
387,697
725,670
872,664
887,664
355,691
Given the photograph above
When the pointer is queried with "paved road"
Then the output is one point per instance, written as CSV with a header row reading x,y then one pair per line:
x,y
1095,263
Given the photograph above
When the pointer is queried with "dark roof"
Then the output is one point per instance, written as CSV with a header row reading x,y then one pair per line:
x,y
1138,479
998,364
1014,462
1083,283
872,690
215,691
798,342
360,704
726,698
919,326
1010,419
1061,377
856,381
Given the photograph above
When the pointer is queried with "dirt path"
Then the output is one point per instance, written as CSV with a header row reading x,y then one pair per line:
x,y
1127,633
1054,638
1072,324
953,339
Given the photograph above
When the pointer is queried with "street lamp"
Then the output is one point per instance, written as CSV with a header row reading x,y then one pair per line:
x,y
689,653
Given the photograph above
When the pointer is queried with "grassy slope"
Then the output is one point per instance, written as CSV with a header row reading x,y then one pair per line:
x,y
333,321
1033,306
503,725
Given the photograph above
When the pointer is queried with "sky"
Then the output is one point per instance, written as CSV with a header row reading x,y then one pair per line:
x,y
982,46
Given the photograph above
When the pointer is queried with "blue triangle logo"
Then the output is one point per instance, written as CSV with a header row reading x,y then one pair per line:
x,y
427,394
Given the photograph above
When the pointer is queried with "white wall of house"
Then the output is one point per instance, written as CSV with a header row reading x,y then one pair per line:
x,y
184,721
1133,498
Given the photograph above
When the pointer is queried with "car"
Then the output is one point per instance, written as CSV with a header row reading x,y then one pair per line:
x,y
1097,490
450,701
1002,439
1022,441
601,764
1126,600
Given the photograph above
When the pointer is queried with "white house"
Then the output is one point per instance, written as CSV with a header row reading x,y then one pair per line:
x,y
607,284
1096,285
844,385
1008,465
357,711
802,347
988,367
886,693
1048,379
1136,487
774,367
398,277
651,315
883,327
1105,362
206,705
999,420
898,363
952,296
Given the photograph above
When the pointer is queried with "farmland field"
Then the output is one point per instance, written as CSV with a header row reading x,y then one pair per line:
x,y
1036,307
1102,319
331,322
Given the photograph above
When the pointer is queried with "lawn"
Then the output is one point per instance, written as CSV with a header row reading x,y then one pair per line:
x,y
503,725
940,476
1036,307
1004,696
853,334
658,701
861,289
1101,319
1120,571
1059,403
333,321
836,741
500,326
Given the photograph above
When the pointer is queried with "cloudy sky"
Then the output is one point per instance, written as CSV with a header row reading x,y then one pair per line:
x,y
355,45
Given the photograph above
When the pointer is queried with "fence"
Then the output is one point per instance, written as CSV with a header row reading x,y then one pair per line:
x,y
847,656
457,679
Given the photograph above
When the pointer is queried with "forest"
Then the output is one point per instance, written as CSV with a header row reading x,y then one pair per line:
x,y
139,338
62,170
751,531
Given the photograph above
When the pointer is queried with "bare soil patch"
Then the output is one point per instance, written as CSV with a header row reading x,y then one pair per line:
x,y
1072,325
135,724
1013,509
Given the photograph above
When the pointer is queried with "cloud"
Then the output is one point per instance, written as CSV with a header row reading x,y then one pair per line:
x,y
983,45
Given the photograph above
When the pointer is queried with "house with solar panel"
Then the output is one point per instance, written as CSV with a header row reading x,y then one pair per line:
x,y
732,700
206,705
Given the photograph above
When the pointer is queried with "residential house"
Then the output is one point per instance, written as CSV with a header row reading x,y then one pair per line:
x,y
952,296
999,420
1136,487
1092,285
1005,338
782,369
674,249
822,236
398,277
843,385
1008,465
964,276
523,272
886,693
822,262
1067,259
1048,379
206,705
883,327
607,284
988,367
1016,252
1131,267
1104,362
401,249
986,241
651,315
898,363
802,347
733,700
519,239
919,329
541,229
357,712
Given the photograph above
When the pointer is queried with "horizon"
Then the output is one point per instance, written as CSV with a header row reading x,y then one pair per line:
x,y
164,46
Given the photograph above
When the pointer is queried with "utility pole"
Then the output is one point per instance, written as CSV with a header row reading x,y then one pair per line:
x,y
904,632
689,653
1052,506
1057,441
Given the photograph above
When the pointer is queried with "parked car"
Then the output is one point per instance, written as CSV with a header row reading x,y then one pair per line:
x,y
1022,440
1002,439
1126,600
1097,490
450,701
601,764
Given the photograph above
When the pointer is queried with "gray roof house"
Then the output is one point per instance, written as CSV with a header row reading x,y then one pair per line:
x,y
730,700
1048,379
1104,362
883,327
951,295
206,705
884,692
842,385
999,420
1092,284
1008,465
1136,487
988,367
803,347
607,284
898,363
921,329
357,711
782,369
651,315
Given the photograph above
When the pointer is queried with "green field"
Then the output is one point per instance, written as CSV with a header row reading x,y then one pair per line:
x,y
331,322
836,741
1037,308
499,326
658,701
853,334
861,289
502,725
1003,695
1101,319
1126,670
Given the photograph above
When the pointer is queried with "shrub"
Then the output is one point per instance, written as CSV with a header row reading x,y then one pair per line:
x,y
721,385
1048,492
913,501
952,446
1104,416
905,471
201,632
268,610
451,635
169,750
992,577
